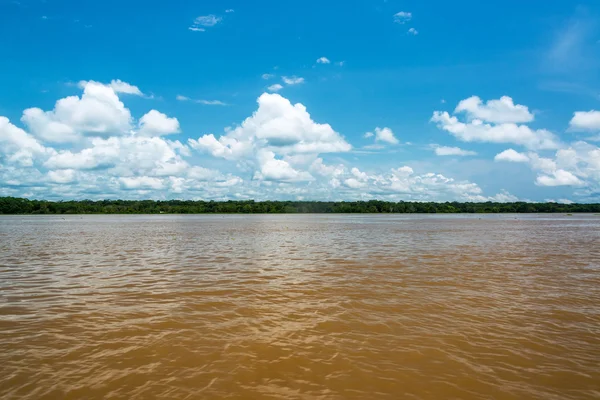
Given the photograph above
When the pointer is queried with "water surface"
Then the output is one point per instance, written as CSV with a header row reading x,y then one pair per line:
x,y
300,307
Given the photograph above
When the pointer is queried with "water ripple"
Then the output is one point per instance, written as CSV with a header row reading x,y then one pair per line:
x,y
300,307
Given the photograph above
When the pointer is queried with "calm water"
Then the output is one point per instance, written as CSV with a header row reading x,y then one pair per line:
x,y
300,307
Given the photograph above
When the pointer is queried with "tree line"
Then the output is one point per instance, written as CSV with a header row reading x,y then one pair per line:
x,y
13,205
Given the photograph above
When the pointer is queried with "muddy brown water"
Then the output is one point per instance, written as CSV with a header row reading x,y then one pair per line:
x,y
300,307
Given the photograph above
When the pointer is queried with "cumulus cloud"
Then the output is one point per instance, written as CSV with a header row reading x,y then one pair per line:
x,y
452,151
585,121
155,123
62,176
98,112
320,168
277,125
384,134
511,155
323,60
559,177
123,155
141,182
280,150
498,111
18,146
478,131
576,165
402,17
118,86
272,169
412,31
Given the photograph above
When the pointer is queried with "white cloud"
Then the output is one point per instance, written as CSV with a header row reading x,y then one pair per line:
x,y
123,87
211,102
226,147
19,146
323,60
204,21
267,76
141,182
277,127
412,31
229,10
47,129
478,131
275,87
498,111
341,63
576,165
322,169
272,169
277,149
155,123
586,121
354,183
402,17
292,80
573,47
368,135
511,155
98,112
559,177
452,151
201,101
383,135
207,20
124,156
62,176
543,164
118,86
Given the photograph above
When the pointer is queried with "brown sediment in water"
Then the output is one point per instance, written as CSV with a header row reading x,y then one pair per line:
x,y
306,307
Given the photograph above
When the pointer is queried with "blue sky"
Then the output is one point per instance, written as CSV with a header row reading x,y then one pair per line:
x,y
395,100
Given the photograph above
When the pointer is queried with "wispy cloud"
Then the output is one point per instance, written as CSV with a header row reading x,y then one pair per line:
x,y
451,151
292,80
267,76
413,31
323,60
402,17
204,21
571,88
229,10
574,45
202,101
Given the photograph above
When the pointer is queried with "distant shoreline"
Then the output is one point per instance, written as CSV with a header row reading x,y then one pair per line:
x,y
21,206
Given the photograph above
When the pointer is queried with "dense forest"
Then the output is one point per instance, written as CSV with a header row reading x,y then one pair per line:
x,y
12,205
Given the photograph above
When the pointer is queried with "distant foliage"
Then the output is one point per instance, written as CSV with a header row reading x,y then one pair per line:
x,y
12,205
